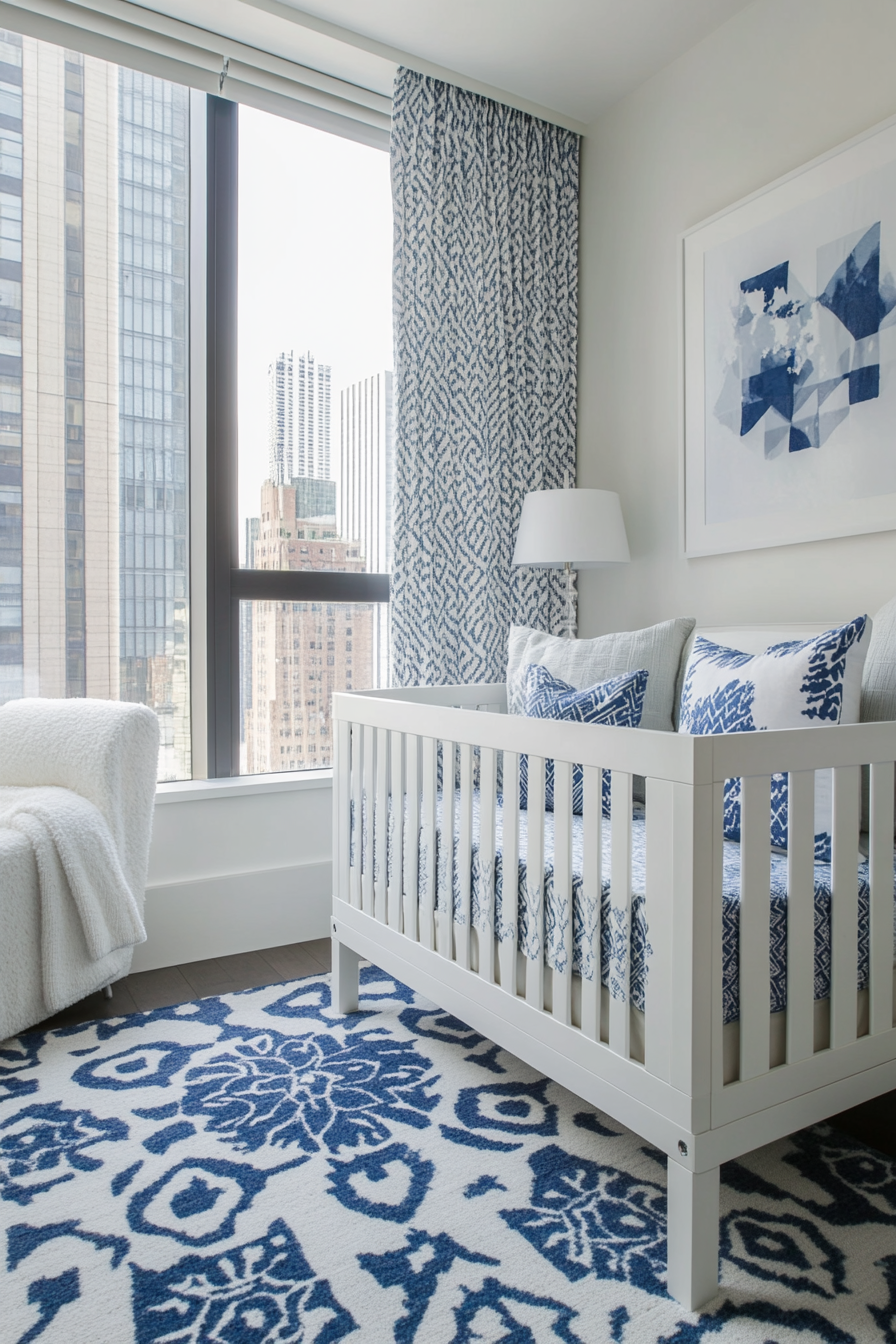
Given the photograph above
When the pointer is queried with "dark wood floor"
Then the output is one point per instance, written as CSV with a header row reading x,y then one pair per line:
x,y
874,1122
144,990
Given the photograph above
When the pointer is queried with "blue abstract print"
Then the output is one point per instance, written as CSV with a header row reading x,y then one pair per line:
x,y
804,360
476,1201
485,202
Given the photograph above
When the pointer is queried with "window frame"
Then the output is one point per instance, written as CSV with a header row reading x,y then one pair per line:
x,y
226,584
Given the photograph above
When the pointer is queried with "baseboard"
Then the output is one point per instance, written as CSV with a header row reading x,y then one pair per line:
x,y
237,912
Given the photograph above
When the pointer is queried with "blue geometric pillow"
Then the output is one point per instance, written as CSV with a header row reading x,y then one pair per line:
x,y
619,702
802,683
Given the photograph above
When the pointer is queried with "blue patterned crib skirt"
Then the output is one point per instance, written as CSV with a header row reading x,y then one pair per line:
x,y
612,941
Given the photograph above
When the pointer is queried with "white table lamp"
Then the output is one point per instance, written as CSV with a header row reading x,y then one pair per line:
x,y
571,529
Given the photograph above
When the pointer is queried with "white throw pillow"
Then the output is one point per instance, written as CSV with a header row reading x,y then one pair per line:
x,y
798,684
585,662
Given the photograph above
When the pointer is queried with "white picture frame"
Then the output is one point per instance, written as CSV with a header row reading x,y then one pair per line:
x,y
753,477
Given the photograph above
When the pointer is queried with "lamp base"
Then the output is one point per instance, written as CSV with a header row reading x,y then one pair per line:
x,y
568,624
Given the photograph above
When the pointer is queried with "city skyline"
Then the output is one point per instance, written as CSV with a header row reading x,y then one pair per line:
x,y
310,523
317,279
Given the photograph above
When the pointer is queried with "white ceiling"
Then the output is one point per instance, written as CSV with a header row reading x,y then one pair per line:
x,y
570,57
575,57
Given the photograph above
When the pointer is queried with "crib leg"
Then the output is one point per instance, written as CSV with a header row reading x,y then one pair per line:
x,y
345,978
693,1235
107,991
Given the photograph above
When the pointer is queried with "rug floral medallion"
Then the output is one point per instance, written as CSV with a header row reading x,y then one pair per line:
x,y
255,1169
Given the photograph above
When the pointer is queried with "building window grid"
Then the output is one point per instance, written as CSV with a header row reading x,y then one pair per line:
x,y
11,629
75,596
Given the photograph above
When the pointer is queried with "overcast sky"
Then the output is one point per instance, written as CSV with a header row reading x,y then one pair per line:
x,y
315,259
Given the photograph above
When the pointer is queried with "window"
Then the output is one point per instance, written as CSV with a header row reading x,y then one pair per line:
x,y
315,425
97,264
93,471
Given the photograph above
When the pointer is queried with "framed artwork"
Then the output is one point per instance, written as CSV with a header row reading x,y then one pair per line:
x,y
790,357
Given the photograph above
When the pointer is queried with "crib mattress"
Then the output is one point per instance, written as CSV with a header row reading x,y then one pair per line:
x,y
552,945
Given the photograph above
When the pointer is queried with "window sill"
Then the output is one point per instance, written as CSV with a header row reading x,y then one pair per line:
x,y
201,790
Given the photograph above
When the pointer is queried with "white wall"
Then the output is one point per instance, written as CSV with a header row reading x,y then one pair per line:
x,y
237,865
775,86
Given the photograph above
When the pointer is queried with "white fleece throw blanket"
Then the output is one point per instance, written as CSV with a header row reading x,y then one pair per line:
x,y
77,864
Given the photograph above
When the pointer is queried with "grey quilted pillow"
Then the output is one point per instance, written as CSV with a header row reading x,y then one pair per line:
x,y
585,662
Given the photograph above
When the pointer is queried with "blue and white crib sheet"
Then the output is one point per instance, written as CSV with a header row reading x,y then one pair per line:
x,y
513,920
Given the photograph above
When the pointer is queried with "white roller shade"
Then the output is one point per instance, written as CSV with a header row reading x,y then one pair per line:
x,y
129,35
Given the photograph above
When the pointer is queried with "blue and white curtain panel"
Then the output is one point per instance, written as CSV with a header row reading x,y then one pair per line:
x,y
485,310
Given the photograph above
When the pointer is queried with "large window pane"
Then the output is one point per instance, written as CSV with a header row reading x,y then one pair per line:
x,y
93,372
316,425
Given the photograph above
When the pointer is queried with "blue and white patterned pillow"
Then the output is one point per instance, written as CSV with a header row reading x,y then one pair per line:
x,y
619,702
800,684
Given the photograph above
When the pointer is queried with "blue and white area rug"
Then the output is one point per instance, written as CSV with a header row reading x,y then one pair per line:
x,y
254,1169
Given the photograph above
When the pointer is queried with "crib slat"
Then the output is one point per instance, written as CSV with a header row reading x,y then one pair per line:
x,y
591,895
357,805
510,888
427,894
381,821
369,768
561,998
412,835
755,913
881,931
534,942
445,868
800,915
659,874
342,801
486,923
845,906
716,819
396,830
465,855
620,912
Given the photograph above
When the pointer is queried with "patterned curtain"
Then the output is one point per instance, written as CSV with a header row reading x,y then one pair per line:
x,y
485,309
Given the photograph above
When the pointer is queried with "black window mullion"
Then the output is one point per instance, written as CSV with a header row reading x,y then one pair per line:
x,y
222,441
310,585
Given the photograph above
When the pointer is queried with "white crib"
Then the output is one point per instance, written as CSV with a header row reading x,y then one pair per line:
x,y
699,1090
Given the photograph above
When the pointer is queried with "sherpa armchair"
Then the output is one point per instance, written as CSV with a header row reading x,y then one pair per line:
x,y
77,788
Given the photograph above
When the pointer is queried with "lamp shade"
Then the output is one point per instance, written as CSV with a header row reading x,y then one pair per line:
x,y
583,528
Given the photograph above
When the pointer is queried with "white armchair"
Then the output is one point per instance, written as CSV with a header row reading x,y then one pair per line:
x,y
106,752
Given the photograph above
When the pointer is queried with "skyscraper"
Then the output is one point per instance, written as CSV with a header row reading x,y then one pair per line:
x,y
281,418
312,412
298,418
154,207
253,530
366,460
301,652
12,652
58,372
93,369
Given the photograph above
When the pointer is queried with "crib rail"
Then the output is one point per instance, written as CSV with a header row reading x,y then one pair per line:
x,y
407,761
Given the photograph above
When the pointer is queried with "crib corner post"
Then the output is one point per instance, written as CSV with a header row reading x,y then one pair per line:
x,y
693,1235
345,977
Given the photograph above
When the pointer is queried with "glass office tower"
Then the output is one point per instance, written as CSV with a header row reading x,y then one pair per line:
x,y
153,209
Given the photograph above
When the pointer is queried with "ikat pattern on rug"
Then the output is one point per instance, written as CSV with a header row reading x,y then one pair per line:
x,y
254,1169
